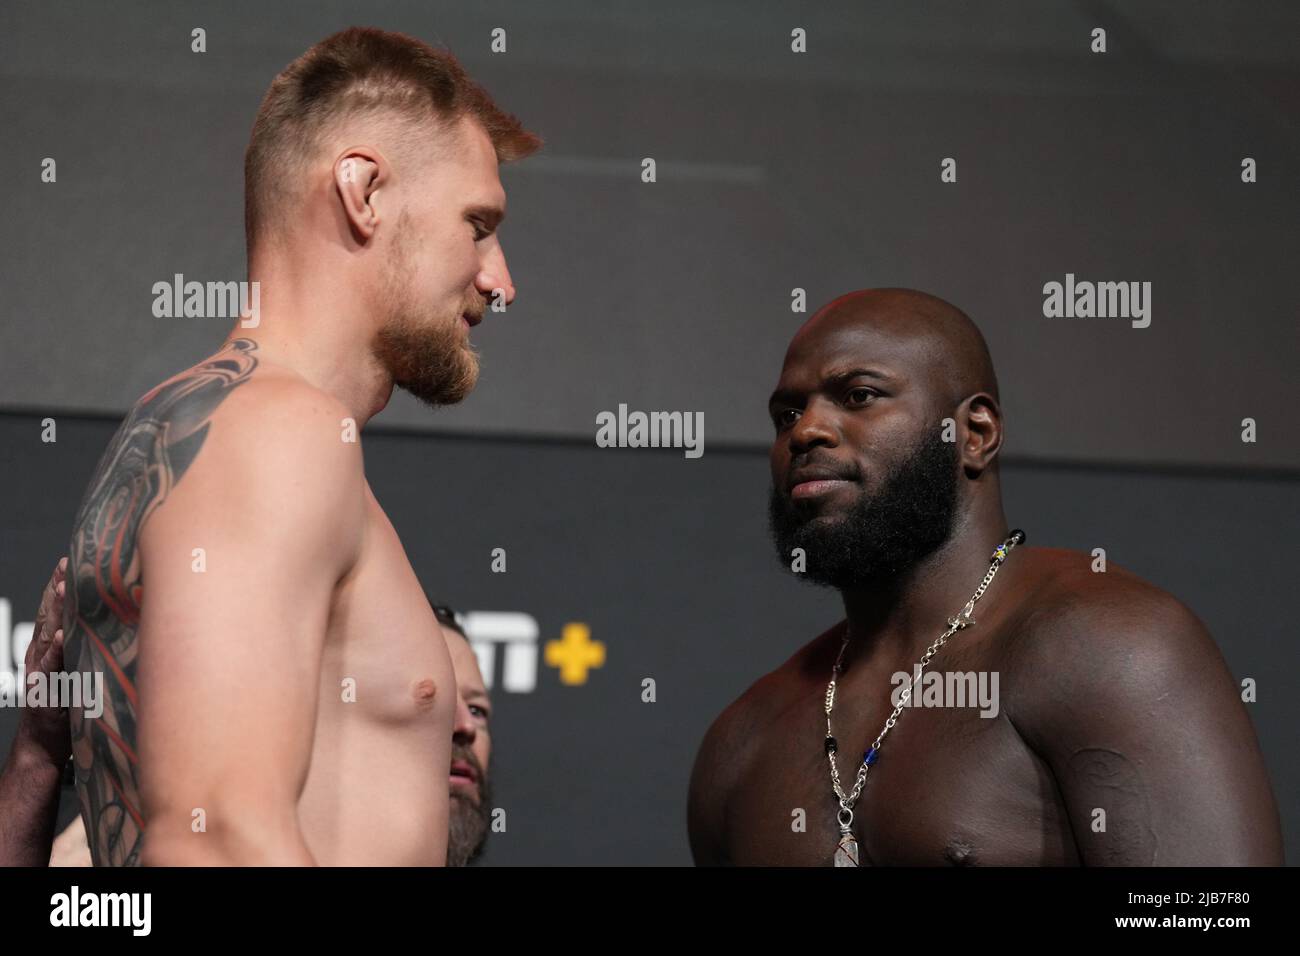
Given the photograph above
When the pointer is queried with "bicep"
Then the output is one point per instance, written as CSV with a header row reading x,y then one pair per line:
x,y
709,787
239,571
703,817
1153,751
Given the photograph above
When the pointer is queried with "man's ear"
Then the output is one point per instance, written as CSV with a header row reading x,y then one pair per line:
x,y
359,172
981,437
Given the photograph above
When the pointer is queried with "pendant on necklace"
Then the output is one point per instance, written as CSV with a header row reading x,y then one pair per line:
x,y
846,851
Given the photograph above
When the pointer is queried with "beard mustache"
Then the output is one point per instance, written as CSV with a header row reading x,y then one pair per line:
x,y
883,534
434,363
467,821
430,358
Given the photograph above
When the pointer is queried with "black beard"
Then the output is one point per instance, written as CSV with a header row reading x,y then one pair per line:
x,y
882,535
467,822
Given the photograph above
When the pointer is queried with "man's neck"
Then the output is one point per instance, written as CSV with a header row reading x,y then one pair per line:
x,y
320,329
902,615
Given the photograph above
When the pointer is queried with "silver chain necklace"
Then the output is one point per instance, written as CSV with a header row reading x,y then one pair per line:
x,y
846,851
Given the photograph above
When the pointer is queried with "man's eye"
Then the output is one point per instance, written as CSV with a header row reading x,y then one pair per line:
x,y
860,395
477,711
785,417
479,232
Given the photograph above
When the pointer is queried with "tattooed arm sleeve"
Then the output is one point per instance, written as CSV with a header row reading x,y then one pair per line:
x,y
148,456
240,567
204,558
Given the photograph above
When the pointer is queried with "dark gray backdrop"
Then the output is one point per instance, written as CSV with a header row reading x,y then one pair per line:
x,y
776,170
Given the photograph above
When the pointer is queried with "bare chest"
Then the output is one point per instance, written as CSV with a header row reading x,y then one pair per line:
x,y
952,783
384,720
385,656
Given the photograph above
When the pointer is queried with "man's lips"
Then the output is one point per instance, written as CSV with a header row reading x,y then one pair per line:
x,y
813,482
471,320
463,773
818,487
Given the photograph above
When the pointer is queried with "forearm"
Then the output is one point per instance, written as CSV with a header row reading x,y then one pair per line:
x,y
29,803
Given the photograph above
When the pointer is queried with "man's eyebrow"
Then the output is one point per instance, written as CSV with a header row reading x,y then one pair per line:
x,y
791,396
492,216
477,694
839,378
784,396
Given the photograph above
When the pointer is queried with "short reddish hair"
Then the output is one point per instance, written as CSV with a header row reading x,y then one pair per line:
x,y
360,70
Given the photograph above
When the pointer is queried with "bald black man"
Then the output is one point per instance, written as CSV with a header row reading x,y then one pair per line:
x,y
1118,737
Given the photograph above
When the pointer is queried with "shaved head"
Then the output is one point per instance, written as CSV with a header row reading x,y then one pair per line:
x,y
948,345
887,429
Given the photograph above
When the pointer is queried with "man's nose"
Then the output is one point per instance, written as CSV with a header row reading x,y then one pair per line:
x,y
814,427
495,275
464,729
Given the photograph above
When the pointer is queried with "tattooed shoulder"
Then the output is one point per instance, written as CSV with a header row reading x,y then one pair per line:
x,y
159,440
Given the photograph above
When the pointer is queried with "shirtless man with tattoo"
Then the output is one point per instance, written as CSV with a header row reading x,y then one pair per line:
x,y
1119,738
277,689
30,777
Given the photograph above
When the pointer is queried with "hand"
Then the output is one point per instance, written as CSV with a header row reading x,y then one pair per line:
x,y
45,729
70,847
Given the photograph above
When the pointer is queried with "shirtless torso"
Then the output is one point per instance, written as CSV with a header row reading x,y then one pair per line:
x,y
277,688
1111,697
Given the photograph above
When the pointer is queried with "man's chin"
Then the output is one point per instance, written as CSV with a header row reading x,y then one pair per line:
x,y
436,363
439,393
817,520
431,398
469,798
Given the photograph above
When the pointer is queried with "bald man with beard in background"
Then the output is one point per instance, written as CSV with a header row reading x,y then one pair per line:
x,y
1113,697
470,815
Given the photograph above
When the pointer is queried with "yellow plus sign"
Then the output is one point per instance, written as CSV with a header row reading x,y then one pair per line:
x,y
574,653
